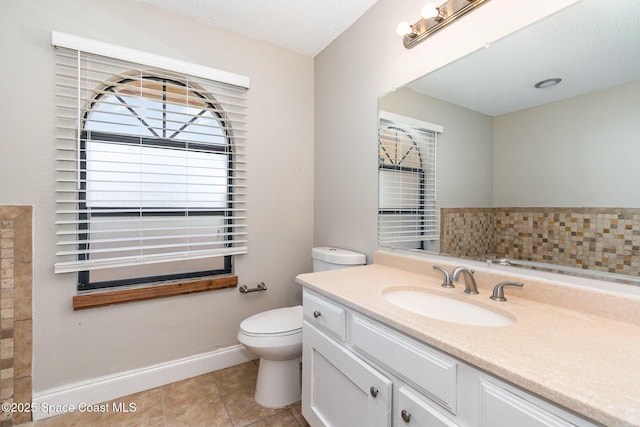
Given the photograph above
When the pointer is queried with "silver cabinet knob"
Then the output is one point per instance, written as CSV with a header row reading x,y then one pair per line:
x,y
317,314
406,415
373,391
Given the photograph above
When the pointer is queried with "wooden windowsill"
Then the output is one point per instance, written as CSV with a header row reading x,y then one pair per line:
x,y
101,299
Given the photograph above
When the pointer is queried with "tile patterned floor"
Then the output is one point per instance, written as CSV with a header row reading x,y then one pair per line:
x,y
219,399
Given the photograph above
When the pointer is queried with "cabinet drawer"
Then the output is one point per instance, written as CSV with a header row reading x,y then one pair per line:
x,y
415,412
429,372
500,407
325,315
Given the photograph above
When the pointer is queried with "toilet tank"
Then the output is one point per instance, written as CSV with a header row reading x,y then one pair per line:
x,y
327,258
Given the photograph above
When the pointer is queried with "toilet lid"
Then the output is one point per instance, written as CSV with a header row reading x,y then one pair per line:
x,y
275,321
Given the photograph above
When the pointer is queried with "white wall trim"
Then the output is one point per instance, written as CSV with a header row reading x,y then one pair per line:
x,y
52,402
82,44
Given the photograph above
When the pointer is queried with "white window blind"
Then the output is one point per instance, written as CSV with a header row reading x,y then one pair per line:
x,y
151,164
408,212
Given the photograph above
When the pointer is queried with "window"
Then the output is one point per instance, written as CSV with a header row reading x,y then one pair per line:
x,y
151,172
408,213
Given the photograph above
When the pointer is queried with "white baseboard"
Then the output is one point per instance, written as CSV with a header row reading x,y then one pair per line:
x,y
73,396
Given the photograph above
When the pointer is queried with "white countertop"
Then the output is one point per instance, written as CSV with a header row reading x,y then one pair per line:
x,y
576,347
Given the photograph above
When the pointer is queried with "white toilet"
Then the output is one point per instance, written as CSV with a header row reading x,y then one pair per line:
x,y
276,336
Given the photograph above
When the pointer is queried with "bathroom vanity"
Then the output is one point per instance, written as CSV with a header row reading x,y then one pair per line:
x,y
562,361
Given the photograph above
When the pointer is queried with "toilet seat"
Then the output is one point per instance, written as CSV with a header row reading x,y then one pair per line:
x,y
274,323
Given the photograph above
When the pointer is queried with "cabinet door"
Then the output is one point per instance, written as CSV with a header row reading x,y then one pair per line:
x,y
501,408
340,390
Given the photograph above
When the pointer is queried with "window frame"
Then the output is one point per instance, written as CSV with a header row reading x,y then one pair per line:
x,y
426,181
419,171
84,282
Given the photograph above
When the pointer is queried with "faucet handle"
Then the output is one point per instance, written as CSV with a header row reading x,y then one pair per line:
x,y
498,291
446,279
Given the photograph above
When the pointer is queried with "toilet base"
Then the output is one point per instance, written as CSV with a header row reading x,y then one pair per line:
x,y
279,383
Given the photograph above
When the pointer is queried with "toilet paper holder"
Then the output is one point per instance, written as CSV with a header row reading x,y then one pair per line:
x,y
244,289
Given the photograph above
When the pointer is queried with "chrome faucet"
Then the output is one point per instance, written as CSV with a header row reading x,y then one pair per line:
x,y
469,280
446,279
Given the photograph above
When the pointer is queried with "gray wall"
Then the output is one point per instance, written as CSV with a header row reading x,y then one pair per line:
x,y
583,151
465,148
579,152
73,346
364,63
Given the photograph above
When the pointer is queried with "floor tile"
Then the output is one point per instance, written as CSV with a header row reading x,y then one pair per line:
x,y
224,398
135,408
71,419
205,415
151,422
281,419
192,391
243,408
297,413
235,378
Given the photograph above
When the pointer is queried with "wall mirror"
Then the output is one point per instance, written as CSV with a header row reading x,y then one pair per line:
x,y
546,177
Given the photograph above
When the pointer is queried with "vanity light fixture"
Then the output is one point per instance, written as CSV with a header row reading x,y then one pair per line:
x,y
543,84
434,19
430,11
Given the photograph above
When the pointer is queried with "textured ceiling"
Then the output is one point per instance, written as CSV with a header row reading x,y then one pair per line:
x,y
303,26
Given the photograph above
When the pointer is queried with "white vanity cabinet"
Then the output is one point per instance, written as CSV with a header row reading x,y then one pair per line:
x,y
413,410
326,315
359,372
339,389
431,373
504,406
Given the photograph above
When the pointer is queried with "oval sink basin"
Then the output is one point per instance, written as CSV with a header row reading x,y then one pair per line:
x,y
447,309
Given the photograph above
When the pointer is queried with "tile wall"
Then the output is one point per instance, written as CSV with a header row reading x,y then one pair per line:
x,y
604,239
15,311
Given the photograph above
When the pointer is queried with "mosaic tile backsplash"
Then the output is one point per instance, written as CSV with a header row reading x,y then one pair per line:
x,y
15,311
604,239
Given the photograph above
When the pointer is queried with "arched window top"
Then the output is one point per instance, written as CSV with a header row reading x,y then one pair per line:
x,y
398,148
157,107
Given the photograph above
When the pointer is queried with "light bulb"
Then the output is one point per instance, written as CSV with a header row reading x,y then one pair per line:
x,y
430,11
404,28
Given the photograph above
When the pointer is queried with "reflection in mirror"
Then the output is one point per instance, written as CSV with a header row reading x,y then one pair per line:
x,y
408,214
541,176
